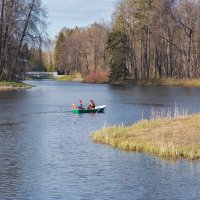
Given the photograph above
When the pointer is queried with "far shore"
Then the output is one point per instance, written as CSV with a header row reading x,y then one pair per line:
x,y
169,138
168,82
143,82
160,82
10,86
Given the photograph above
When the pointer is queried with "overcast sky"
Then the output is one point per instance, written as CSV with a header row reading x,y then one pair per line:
x,y
71,13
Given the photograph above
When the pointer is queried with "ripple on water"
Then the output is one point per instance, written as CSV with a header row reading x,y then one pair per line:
x,y
46,151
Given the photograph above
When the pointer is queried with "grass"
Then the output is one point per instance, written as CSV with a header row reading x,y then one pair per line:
x,y
173,138
7,86
64,78
169,82
75,77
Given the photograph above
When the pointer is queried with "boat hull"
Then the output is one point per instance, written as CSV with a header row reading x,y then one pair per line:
x,y
98,109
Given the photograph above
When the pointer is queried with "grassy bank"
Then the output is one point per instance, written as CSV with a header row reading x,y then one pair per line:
x,y
64,78
76,77
161,82
7,86
173,138
169,82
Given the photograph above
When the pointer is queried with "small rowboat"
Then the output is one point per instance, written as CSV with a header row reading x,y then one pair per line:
x,y
97,109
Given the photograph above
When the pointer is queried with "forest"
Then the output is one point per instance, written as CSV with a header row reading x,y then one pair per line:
x,y
145,39
22,32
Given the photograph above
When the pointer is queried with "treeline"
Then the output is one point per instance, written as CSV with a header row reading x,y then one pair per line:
x,y
146,39
155,38
81,50
22,25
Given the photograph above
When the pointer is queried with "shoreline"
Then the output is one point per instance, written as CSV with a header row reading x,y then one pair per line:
x,y
144,82
160,82
168,138
12,86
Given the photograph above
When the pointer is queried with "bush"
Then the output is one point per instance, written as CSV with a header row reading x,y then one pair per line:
x,y
97,77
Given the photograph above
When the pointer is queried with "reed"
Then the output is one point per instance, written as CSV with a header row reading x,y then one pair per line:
x,y
172,137
171,112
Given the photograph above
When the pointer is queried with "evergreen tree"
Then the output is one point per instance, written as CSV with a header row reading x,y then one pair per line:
x,y
118,49
58,51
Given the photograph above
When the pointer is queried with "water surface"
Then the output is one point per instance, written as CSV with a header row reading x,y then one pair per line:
x,y
46,151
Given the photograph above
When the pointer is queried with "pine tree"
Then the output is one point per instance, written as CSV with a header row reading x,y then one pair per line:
x,y
118,49
58,50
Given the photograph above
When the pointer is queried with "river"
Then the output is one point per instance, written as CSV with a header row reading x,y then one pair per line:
x,y
46,151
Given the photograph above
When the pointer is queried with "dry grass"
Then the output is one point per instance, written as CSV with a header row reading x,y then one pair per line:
x,y
75,77
174,138
170,82
9,86
64,78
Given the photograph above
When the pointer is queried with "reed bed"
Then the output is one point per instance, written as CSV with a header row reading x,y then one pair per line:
x,y
170,82
171,137
170,112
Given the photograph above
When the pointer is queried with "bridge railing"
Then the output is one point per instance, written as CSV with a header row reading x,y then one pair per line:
x,y
40,75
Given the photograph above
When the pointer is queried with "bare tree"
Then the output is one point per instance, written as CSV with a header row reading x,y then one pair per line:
x,y
23,23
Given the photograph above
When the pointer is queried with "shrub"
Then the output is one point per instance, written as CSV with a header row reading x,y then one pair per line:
x,y
97,77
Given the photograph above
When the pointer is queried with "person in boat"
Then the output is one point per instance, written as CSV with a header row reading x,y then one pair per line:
x,y
73,106
91,105
80,106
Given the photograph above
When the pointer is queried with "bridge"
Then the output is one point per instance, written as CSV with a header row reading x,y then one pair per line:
x,y
41,75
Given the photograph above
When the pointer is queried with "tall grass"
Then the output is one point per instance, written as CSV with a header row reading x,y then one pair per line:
x,y
171,133
170,113
170,82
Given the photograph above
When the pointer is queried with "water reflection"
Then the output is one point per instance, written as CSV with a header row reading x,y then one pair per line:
x,y
46,151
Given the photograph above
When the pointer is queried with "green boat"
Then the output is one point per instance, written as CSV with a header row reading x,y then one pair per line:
x,y
97,109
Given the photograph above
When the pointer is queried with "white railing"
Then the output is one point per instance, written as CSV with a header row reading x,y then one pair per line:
x,y
40,74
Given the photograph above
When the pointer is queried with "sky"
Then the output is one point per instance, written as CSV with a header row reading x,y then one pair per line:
x,y
72,13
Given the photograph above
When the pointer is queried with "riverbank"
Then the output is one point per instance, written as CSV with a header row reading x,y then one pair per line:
x,y
103,79
76,77
172,138
169,82
9,86
160,82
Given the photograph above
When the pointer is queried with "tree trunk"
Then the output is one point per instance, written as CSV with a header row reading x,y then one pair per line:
x,y
1,28
23,35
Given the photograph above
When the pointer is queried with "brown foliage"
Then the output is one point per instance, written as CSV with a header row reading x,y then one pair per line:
x,y
97,77
82,50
